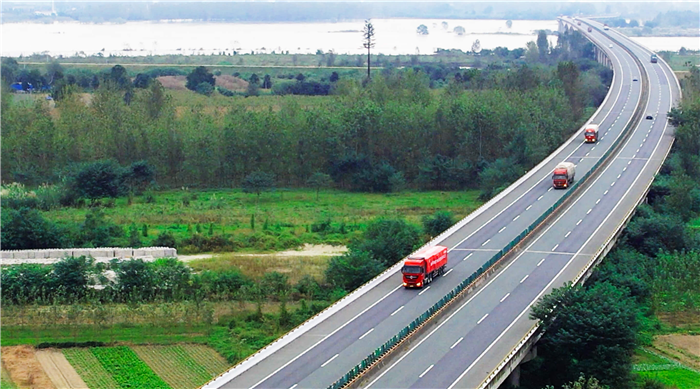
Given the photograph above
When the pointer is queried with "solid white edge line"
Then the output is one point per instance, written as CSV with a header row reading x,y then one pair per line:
x,y
562,270
315,344
305,327
499,274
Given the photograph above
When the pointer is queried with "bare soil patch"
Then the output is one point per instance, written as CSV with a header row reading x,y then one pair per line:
x,y
307,250
25,370
173,82
59,370
683,348
231,82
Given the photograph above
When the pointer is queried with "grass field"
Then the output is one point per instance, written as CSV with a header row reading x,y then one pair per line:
x,y
293,211
649,365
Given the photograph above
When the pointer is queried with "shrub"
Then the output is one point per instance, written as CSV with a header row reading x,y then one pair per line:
x,y
388,240
27,229
165,239
352,269
436,224
93,180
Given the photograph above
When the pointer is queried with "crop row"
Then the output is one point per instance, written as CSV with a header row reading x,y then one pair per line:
x,y
173,365
207,357
127,369
90,369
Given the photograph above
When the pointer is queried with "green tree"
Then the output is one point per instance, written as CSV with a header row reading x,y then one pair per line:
x,y
352,269
135,280
98,179
72,276
459,30
26,228
267,82
542,45
437,223
568,74
388,240
199,75
204,88
422,30
258,182
319,180
275,284
587,331
172,278
119,76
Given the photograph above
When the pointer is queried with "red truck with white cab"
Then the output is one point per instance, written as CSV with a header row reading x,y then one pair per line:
x,y
563,175
422,267
591,133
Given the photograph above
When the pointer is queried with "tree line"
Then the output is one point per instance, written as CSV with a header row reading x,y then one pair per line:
x,y
480,132
654,268
77,280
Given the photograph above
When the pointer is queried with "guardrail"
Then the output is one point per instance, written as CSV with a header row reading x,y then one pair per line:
x,y
405,333
597,256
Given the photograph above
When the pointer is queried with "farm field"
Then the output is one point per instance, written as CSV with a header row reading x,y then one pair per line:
x,y
673,360
182,366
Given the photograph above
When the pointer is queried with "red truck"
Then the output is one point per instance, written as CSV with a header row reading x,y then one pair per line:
x,y
422,267
563,175
591,133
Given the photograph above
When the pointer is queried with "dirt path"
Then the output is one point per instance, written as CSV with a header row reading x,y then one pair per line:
x,y
25,370
61,373
308,250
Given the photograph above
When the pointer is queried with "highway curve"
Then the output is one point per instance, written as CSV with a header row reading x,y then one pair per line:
x,y
469,343
327,346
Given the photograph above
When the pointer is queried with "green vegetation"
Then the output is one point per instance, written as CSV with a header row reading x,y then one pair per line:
x,y
649,366
220,220
177,366
127,368
90,369
651,273
5,380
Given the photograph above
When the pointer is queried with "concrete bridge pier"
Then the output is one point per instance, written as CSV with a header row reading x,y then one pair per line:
x,y
513,379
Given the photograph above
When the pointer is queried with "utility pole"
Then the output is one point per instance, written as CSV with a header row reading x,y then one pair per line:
x,y
368,41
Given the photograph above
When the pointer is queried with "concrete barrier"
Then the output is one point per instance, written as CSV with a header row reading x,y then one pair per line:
x,y
101,254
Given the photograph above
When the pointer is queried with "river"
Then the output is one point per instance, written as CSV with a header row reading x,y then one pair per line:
x,y
393,36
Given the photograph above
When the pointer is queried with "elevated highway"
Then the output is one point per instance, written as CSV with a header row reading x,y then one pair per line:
x,y
467,346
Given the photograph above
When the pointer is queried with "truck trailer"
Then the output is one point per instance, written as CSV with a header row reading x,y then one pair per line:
x,y
563,175
424,266
591,133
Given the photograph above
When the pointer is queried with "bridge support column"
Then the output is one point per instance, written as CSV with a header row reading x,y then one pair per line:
x,y
513,379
